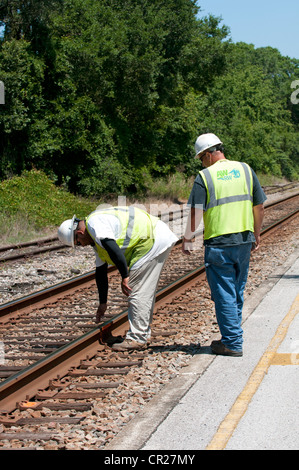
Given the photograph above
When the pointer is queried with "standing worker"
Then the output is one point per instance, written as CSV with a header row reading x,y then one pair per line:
x,y
138,244
231,200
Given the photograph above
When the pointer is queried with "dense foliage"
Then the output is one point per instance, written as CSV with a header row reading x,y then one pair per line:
x,y
102,95
23,197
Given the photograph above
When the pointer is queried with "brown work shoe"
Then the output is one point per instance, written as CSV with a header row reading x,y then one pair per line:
x,y
128,344
216,341
219,348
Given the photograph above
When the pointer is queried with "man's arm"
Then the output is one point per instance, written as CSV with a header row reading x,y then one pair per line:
x,y
120,262
258,216
194,219
259,197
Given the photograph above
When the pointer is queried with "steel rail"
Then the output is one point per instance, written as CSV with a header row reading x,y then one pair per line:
x,y
11,309
59,246
18,307
38,251
27,382
36,376
17,246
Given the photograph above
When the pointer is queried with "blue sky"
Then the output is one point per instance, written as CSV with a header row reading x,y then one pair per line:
x,y
263,23
260,22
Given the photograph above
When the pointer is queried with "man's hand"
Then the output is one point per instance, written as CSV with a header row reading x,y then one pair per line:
x,y
100,312
256,245
126,289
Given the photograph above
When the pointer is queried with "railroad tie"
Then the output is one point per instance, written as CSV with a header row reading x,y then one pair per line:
x,y
18,421
97,372
66,395
34,405
57,384
30,436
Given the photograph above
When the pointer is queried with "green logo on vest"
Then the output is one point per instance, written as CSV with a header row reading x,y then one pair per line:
x,y
224,175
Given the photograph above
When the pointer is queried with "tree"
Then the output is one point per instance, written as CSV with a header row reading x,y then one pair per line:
x,y
100,94
248,108
22,73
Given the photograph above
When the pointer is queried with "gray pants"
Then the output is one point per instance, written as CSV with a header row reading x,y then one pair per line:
x,y
144,282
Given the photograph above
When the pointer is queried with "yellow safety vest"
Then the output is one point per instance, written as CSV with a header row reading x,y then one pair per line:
x,y
137,233
229,187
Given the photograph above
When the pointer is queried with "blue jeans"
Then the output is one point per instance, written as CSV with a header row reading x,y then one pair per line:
x,y
227,270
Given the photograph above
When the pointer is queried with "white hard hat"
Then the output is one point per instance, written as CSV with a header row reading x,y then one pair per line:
x,y
206,141
66,231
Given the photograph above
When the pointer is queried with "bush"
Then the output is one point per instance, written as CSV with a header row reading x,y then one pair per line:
x,y
35,198
107,177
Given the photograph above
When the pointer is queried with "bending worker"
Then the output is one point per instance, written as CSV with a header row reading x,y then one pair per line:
x,y
230,197
138,244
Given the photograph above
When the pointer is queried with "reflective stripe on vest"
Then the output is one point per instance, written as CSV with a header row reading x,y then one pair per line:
x,y
126,241
229,187
137,233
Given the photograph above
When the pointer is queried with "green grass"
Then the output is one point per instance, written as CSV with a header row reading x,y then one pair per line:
x,y
32,206
171,188
270,180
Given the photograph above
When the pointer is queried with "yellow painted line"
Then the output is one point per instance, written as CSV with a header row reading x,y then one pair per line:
x,y
240,406
285,359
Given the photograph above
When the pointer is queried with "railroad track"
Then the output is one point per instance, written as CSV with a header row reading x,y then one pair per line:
x,y
10,253
24,250
280,187
20,278
68,360
274,213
